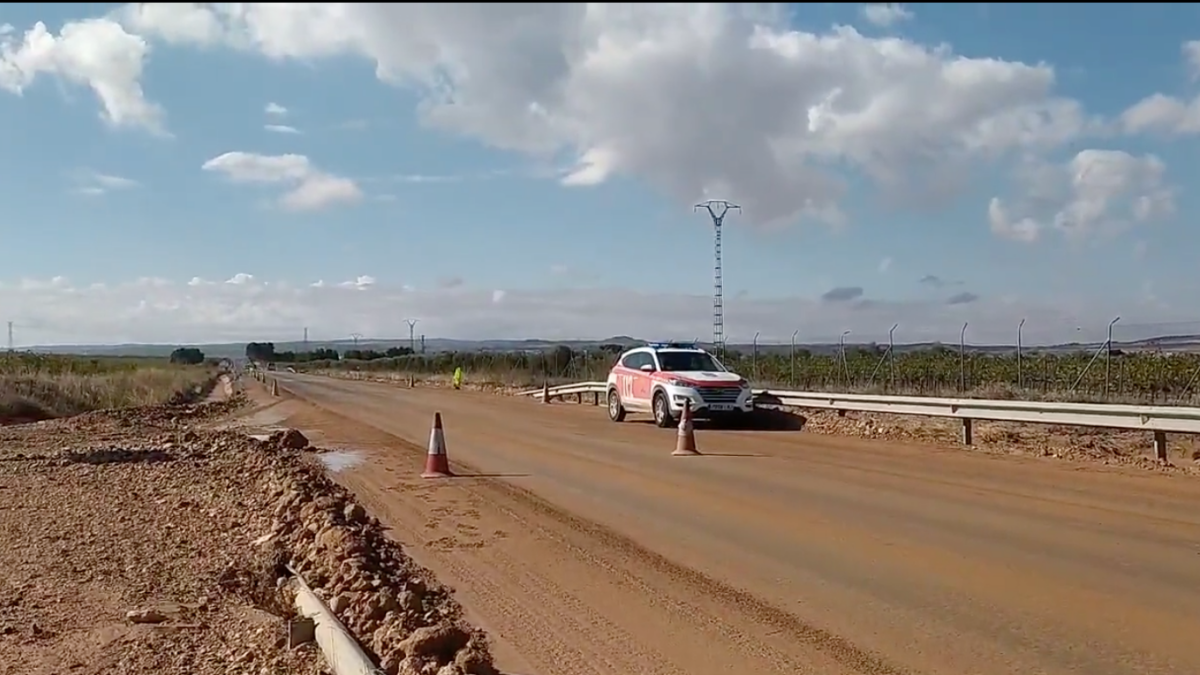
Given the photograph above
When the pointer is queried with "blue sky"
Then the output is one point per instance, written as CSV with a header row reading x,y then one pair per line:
x,y
442,201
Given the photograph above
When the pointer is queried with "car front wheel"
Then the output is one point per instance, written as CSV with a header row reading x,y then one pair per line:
x,y
662,411
616,411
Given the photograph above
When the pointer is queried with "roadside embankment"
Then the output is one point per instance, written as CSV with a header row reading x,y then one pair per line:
x,y
140,540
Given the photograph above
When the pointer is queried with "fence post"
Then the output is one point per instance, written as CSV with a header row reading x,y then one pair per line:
x,y
962,360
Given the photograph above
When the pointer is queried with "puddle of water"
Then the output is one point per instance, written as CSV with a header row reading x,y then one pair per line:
x,y
340,460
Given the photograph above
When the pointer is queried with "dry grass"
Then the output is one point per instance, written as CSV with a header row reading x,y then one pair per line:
x,y
36,387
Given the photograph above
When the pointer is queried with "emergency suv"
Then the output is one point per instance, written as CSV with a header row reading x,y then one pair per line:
x,y
659,378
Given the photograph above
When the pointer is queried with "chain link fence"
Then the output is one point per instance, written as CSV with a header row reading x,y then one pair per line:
x,y
1133,363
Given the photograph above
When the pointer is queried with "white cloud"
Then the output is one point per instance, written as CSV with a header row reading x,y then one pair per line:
x,y
275,110
95,53
94,183
885,265
281,129
361,283
884,14
796,108
311,190
1097,192
1191,55
246,307
112,182
1163,114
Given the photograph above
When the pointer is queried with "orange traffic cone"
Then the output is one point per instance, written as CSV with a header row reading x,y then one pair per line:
x,y
545,391
685,442
437,463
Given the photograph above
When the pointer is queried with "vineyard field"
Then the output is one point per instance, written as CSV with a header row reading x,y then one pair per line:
x,y
1142,377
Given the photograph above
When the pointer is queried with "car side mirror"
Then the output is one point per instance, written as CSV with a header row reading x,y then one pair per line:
x,y
648,368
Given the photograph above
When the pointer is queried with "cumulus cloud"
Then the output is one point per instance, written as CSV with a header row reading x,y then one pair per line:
x,y
95,53
311,189
281,129
1161,114
627,90
275,110
884,14
1097,191
244,306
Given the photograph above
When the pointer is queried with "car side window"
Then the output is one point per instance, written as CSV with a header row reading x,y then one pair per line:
x,y
631,361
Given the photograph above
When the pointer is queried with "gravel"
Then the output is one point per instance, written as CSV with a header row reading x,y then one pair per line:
x,y
137,542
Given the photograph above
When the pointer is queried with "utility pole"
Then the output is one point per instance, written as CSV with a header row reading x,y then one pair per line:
x,y
10,336
422,344
412,338
306,338
717,209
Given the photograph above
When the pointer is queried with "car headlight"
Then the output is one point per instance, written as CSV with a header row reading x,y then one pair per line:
x,y
743,383
677,383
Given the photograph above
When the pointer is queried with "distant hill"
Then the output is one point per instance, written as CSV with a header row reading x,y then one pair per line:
x,y
1172,343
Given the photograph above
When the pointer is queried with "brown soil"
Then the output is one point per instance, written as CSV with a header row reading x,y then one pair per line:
x,y
139,541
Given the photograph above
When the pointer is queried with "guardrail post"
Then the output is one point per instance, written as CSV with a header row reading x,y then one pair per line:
x,y
966,431
579,397
595,398
1160,445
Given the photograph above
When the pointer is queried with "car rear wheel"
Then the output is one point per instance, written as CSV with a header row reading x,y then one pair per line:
x,y
616,411
662,411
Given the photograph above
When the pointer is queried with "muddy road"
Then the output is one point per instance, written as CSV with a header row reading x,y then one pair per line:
x,y
583,546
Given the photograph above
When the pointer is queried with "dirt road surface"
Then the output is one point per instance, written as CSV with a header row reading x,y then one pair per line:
x,y
586,548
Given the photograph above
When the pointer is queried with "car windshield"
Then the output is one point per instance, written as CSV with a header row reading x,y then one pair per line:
x,y
687,361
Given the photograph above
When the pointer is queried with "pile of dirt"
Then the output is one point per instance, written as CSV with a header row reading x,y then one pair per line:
x,y
168,546
409,620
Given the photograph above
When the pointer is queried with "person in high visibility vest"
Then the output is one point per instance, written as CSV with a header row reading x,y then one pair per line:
x,y
458,375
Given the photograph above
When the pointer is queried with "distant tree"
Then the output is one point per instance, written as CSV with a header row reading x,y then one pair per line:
x,y
324,354
261,351
187,356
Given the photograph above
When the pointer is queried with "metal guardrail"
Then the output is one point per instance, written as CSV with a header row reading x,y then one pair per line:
x,y
1158,419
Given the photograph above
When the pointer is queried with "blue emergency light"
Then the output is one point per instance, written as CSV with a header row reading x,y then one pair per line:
x,y
671,345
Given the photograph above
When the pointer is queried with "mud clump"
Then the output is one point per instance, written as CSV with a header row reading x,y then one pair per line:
x,y
397,610
288,439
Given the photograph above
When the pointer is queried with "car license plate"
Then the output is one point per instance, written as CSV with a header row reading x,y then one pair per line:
x,y
720,407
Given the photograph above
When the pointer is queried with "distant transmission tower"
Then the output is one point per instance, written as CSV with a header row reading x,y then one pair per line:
x,y
306,339
10,336
412,338
717,208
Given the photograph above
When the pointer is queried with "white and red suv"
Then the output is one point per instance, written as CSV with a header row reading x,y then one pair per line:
x,y
660,377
